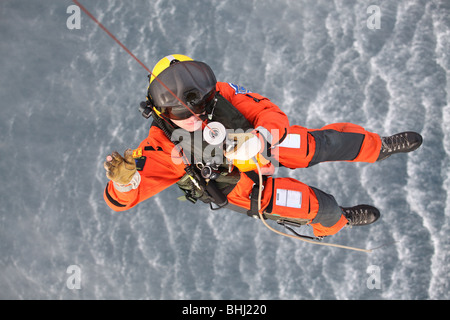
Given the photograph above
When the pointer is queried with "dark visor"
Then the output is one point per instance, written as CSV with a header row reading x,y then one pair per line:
x,y
182,113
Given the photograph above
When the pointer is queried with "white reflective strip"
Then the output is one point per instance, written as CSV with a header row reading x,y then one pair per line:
x,y
291,141
170,58
289,198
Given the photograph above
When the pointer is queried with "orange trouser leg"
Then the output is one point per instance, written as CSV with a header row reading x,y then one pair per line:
x,y
329,218
289,198
348,133
335,142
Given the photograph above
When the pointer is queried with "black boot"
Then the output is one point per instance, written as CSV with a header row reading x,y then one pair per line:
x,y
399,143
361,215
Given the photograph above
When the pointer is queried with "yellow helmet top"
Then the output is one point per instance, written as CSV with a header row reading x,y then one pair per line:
x,y
165,62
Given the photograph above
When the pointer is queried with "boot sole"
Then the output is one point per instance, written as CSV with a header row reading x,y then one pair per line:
x,y
374,210
419,143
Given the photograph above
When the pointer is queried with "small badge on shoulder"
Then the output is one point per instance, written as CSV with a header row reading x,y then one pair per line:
x,y
139,159
137,153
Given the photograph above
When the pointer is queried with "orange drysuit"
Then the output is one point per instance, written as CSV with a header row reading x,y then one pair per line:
x,y
291,147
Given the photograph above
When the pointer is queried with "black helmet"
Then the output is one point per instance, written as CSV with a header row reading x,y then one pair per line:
x,y
192,82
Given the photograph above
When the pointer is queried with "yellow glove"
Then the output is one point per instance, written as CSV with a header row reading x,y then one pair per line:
x,y
122,170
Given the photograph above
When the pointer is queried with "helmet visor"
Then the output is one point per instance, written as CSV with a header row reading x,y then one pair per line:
x,y
182,113
188,81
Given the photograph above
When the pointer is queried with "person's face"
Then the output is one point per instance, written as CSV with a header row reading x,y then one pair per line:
x,y
190,124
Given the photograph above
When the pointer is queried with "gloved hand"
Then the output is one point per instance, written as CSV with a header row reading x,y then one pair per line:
x,y
245,148
122,170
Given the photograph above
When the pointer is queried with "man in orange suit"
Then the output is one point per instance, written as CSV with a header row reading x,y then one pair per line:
x,y
187,104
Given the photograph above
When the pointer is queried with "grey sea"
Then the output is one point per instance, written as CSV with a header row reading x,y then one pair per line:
x,y
70,96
